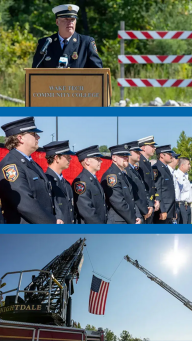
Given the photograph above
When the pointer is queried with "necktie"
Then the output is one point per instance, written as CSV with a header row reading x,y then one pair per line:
x,y
65,43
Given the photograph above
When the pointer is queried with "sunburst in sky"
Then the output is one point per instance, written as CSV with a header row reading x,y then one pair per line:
x,y
175,258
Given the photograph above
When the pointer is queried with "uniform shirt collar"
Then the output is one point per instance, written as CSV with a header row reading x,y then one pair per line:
x,y
60,176
146,158
163,164
131,165
61,38
181,173
29,158
171,169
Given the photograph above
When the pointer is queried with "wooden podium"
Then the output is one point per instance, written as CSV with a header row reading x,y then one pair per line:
x,y
68,87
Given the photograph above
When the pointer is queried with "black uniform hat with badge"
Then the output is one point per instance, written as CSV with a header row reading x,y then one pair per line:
x,y
134,146
149,140
120,149
176,156
66,11
58,147
25,125
164,149
88,152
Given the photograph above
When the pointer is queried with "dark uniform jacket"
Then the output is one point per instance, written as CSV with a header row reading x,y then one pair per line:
x,y
24,191
1,217
141,197
89,199
62,197
146,172
81,51
165,188
119,197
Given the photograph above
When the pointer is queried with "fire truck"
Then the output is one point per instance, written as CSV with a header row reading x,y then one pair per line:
x,y
44,311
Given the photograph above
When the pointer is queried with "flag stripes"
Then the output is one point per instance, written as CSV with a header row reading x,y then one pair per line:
x,y
98,296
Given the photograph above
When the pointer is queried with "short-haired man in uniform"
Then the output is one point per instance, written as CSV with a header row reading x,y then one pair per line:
x,y
141,197
81,50
89,196
165,186
118,189
58,155
184,192
148,146
172,165
24,189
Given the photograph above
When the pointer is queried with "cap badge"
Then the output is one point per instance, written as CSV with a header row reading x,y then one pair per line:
x,y
74,55
70,8
126,146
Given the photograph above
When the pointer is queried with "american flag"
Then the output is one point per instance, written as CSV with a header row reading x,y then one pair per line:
x,y
98,296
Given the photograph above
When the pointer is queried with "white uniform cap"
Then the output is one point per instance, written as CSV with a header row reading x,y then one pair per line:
x,y
66,11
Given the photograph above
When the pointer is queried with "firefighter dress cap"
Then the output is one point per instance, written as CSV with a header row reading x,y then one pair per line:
x,y
164,149
120,149
58,147
25,125
66,11
147,140
134,146
92,151
175,155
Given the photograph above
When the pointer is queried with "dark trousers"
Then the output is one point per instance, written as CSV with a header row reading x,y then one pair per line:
x,y
185,214
150,219
157,221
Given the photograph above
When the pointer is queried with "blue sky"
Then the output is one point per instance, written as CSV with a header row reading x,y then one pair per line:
x,y
134,302
86,131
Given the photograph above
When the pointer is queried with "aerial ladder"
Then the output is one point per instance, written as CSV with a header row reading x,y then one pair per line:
x,y
47,298
158,281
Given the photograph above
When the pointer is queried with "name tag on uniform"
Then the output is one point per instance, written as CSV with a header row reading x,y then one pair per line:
x,y
166,179
36,178
125,187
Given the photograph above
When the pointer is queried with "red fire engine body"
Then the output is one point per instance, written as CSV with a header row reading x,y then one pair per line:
x,y
12,331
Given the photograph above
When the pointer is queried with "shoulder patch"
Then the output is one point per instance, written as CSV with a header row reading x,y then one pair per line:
x,y
111,180
155,172
94,46
10,172
80,187
136,165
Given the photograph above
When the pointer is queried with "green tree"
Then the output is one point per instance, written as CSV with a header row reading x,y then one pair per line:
x,y
125,336
76,325
184,147
89,327
104,149
109,335
2,139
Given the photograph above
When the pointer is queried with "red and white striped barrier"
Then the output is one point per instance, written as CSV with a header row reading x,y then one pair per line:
x,y
155,34
157,83
149,59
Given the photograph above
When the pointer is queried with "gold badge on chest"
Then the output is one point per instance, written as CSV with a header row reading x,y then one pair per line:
x,y
74,55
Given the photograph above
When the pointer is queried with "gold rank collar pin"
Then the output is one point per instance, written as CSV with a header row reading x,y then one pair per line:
x,y
55,39
74,39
